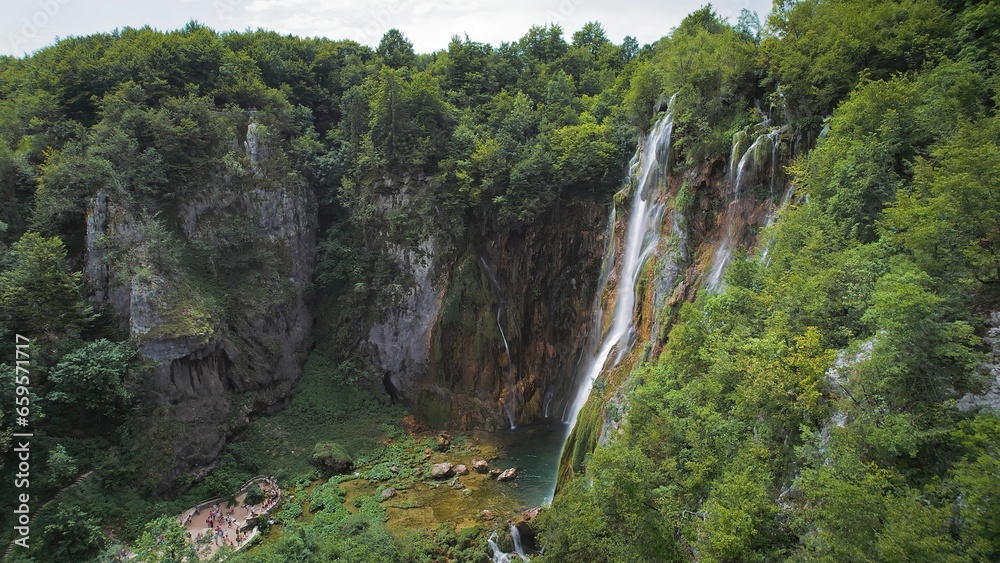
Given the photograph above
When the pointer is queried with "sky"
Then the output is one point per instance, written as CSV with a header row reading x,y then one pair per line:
x,y
28,25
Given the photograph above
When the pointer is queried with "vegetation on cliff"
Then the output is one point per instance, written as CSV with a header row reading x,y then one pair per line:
x,y
807,411
751,437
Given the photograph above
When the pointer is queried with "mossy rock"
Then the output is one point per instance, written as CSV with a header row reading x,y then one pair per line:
x,y
331,458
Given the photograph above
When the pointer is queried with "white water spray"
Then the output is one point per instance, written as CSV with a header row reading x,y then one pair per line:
x,y
518,548
498,554
750,161
641,238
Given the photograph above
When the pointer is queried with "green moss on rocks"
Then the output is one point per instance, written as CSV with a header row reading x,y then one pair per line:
x,y
437,413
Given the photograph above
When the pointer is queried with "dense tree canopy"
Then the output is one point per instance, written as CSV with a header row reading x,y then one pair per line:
x,y
806,412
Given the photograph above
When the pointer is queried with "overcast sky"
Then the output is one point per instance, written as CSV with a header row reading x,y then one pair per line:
x,y
28,25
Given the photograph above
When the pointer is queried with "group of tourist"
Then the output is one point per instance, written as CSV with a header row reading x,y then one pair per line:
x,y
223,522
269,486
220,522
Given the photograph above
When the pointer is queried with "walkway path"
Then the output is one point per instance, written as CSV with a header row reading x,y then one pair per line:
x,y
78,480
231,524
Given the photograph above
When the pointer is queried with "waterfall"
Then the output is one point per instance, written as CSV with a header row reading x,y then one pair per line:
x,y
518,548
510,395
642,235
499,556
772,212
739,145
751,161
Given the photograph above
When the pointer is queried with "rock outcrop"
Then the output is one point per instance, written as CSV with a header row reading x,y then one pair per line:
x,y
490,317
989,397
217,299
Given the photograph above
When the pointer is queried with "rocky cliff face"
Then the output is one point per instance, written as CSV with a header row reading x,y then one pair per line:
x,y
485,334
217,298
513,320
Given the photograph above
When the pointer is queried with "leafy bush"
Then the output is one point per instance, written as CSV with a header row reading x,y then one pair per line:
x,y
290,512
328,496
254,495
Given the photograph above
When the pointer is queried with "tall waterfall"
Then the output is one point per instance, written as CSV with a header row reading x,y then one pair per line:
x,y
642,234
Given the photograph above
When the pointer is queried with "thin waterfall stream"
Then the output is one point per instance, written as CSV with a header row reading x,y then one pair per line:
x,y
742,172
510,396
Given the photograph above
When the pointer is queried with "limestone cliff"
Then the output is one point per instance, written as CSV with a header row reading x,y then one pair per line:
x,y
485,332
513,320
216,294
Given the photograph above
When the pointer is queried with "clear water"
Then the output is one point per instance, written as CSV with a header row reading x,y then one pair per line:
x,y
534,450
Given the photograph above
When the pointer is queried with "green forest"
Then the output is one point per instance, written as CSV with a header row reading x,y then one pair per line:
x,y
834,402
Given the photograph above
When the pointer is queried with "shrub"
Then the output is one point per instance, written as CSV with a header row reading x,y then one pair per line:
x,y
254,495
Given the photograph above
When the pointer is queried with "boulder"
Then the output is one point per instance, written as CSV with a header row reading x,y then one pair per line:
x,y
331,458
494,473
444,442
442,471
462,470
530,514
480,466
388,493
508,474
486,515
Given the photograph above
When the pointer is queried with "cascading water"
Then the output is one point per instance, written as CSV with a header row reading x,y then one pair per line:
x,y
622,266
499,556
739,145
750,161
642,235
772,211
510,395
515,535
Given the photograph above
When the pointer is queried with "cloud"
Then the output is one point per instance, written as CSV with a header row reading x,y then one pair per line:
x,y
429,24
